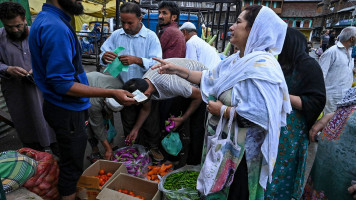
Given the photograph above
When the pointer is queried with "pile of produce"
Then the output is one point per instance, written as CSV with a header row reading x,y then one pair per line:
x,y
180,184
103,177
135,158
184,179
130,193
44,182
155,171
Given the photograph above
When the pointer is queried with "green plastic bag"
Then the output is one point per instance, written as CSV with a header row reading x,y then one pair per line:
x,y
110,131
116,67
172,143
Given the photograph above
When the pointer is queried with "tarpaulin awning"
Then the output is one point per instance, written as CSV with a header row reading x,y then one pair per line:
x,y
90,8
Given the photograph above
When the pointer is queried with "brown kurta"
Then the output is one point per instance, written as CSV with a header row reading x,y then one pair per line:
x,y
23,98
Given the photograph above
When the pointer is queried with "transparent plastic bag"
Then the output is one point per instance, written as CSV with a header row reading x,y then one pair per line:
x,y
135,158
183,193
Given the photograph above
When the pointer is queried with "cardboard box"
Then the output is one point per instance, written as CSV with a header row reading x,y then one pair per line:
x,y
139,186
88,184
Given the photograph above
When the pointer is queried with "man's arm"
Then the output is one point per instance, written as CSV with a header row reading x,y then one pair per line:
x,y
144,112
60,70
81,90
108,46
194,104
325,62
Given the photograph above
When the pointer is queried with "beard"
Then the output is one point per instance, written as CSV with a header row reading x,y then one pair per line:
x,y
20,35
71,7
162,23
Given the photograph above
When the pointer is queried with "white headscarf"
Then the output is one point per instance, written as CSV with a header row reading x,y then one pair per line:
x,y
259,65
83,28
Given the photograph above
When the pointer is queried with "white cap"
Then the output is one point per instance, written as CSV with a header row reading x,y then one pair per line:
x,y
188,26
113,104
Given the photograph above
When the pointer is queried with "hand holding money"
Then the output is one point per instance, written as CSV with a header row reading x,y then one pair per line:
x,y
139,96
124,97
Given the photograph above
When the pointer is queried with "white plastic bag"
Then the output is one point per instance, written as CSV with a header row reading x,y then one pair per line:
x,y
221,160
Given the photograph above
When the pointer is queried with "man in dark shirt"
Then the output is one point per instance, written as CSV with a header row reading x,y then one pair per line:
x,y
58,72
171,38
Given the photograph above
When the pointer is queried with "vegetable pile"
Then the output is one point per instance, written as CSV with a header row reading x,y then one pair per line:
x,y
44,182
130,193
155,171
180,184
135,159
179,180
103,177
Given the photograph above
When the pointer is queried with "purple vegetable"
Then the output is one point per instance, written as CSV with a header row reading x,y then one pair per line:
x,y
170,125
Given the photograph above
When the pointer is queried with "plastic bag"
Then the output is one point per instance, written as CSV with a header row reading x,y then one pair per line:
x,y
319,51
15,170
111,130
116,67
221,159
172,143
183,193
135,158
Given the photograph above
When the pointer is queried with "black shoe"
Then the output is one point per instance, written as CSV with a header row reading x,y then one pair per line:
x,y
94,157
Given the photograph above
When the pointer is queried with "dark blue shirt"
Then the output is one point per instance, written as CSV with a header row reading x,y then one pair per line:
x,y
56,65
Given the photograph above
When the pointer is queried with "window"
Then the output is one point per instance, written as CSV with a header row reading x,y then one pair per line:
x,y
290,23
306,24
297,23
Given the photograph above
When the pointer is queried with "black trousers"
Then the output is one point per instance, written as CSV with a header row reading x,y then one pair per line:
x,y
197,131
324,47
149,134
239,187
69,127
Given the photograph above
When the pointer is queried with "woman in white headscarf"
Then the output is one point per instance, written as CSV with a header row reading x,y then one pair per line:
x,y
86,46
250,81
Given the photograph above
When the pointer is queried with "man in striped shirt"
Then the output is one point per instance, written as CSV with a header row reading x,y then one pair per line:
x,y
187,99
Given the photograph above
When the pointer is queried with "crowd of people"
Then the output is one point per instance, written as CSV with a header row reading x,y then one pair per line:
x,y
270,89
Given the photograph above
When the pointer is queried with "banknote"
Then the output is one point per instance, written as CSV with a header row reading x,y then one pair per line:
x,y
139,96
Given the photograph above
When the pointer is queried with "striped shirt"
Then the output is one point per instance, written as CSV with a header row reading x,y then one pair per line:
x,y
168,85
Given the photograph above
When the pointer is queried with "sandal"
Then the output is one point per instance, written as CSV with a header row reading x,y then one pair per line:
x,y
94,157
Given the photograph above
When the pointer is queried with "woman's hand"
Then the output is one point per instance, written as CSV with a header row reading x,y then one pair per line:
x,y
165,67
214,107
319,126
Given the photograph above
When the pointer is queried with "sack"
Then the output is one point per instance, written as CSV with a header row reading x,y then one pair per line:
x,y
15,170
172,143
221,160
319,51
183,193
44,182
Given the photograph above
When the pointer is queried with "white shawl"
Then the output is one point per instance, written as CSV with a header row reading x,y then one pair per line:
x,y
260,66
